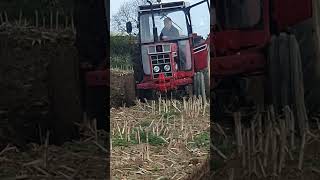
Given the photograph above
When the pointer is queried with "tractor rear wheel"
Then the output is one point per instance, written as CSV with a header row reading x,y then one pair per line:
x,y
137,64
207,82
130,90
285,77
236,94
222,101
201,84
143,94
307,34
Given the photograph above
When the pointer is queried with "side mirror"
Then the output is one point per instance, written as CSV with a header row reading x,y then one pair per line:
x,y
129,27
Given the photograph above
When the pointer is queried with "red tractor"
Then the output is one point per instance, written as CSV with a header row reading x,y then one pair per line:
x,y
172,56
262,48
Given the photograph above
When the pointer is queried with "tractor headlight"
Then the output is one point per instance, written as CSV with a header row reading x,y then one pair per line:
x,y
156,69
167,67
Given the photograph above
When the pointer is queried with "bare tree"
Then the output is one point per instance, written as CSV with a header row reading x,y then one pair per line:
x,y
128,11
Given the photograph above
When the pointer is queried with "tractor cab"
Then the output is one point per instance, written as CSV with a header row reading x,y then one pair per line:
x,y
240,25
242,29
167,43
171,34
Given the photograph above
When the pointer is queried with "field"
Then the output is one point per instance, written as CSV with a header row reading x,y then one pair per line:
x,y
83,159
268,148
163,139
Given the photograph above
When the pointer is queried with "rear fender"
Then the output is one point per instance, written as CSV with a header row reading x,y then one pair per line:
x,y
200,54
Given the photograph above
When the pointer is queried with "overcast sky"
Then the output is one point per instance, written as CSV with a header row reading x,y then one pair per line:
x,y
115,5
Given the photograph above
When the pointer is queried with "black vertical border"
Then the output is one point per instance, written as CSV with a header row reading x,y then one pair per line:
x,y
92,21
107,20
211,154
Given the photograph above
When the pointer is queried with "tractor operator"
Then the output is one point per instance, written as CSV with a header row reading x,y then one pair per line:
x,y
169,31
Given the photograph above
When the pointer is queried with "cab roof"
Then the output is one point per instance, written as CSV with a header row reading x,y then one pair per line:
x,y
163,6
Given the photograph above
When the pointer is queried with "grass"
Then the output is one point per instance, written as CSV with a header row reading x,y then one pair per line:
x,y
145,123
153,139
202,140
156,169
118,141
170,114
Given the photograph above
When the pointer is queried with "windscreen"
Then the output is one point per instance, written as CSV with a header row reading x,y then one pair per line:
x,y
171,24
200,19
235,14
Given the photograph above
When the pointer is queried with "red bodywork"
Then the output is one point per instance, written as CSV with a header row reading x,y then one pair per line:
x,y
97,78
240,51
179,78
166,84
201,57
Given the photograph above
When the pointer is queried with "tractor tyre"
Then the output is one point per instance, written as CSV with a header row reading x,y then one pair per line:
x,y
201,84
130,90
307,34
96,106
230,96
202,87
189,90
195,85
138,72
273,72
296,84
285,77
207,82
145,94
284,59
137,64
219,100
65,101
